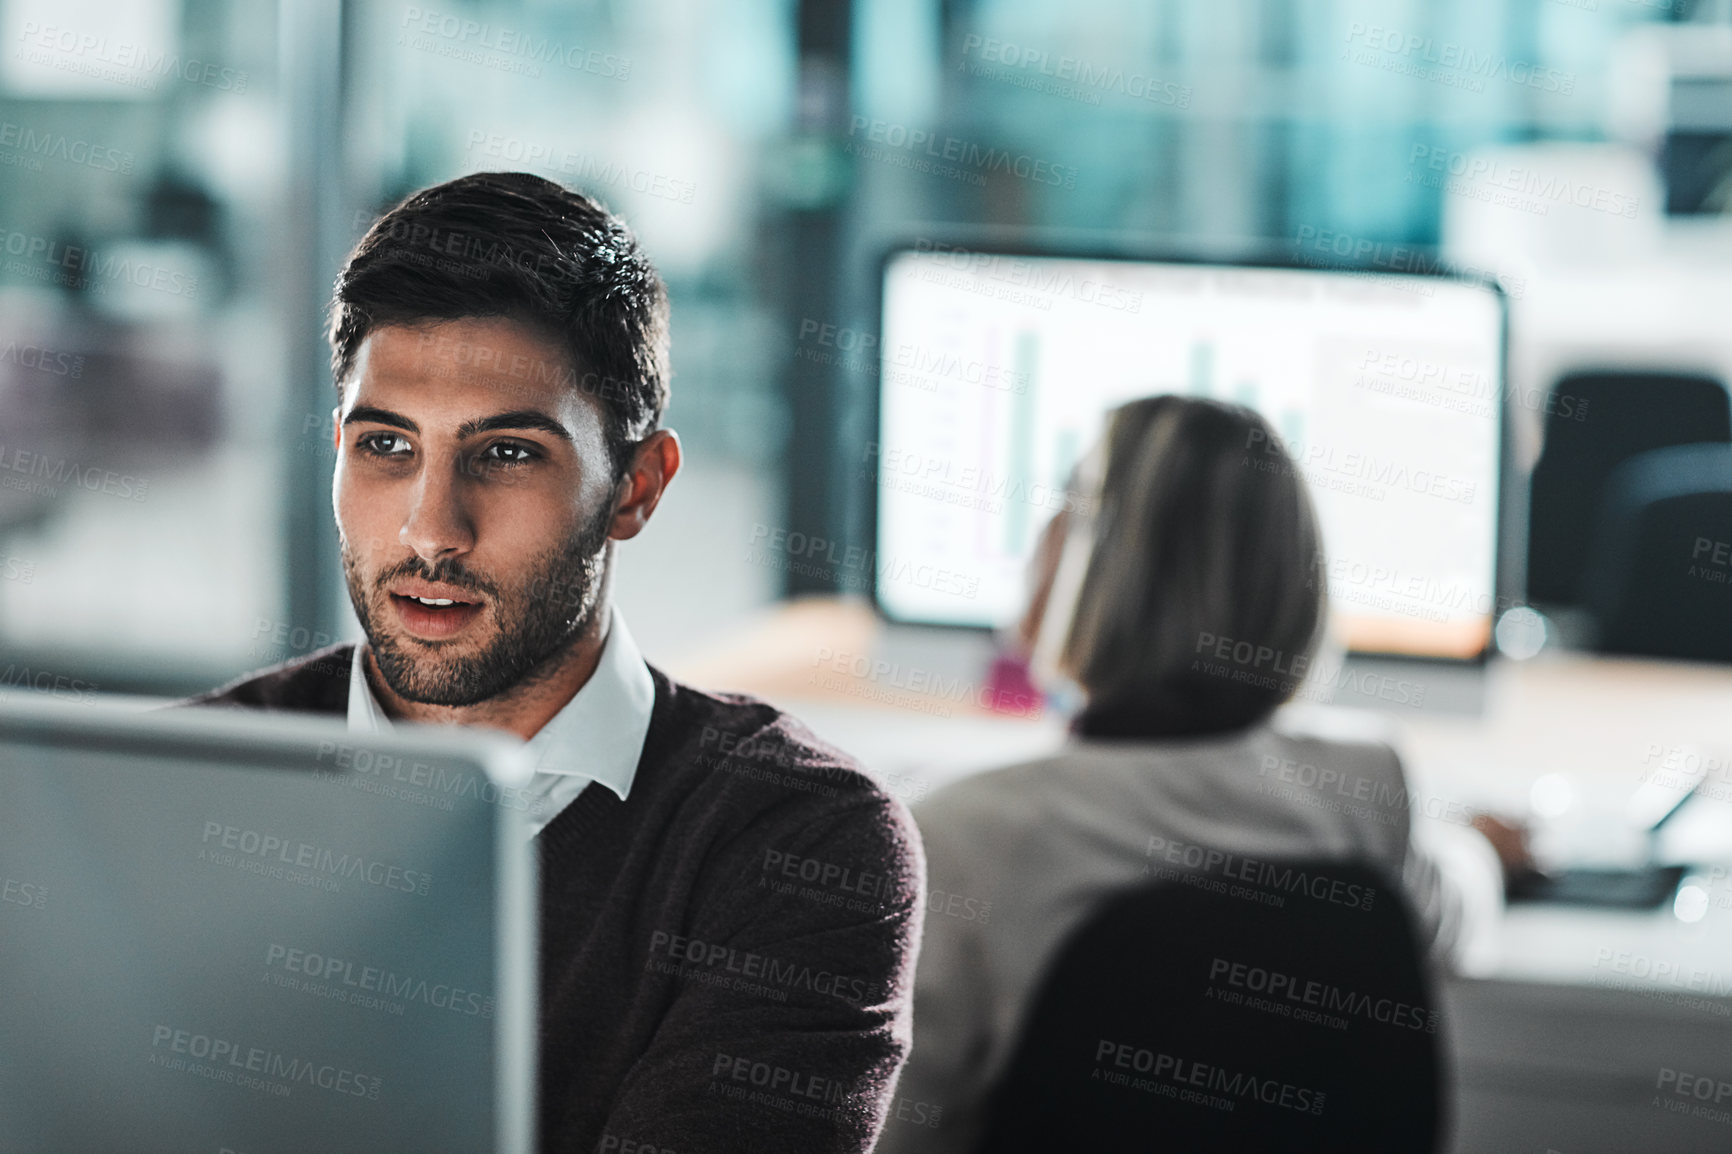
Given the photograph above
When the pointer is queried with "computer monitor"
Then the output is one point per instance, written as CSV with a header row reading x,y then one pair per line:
x,y
997,371
249,932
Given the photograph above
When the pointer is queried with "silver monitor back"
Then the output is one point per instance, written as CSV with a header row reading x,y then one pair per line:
x,y
226,930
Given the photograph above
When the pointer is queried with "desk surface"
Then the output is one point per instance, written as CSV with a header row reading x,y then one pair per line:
x,y
1609,720
901,701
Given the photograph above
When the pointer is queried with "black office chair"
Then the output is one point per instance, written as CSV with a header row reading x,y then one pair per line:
x,y
1659,583
1143,1036
1625,414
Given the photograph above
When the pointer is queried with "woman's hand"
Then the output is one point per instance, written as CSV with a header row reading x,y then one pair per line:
x,y
1510,840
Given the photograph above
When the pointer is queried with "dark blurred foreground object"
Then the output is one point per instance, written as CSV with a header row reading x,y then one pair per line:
x,y
1659,582
1596,421
1182,1019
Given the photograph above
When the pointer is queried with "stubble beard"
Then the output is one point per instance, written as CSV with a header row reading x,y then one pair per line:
x,y
537,621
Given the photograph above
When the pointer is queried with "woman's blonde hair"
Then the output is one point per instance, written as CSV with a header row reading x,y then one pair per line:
x,y
1203,598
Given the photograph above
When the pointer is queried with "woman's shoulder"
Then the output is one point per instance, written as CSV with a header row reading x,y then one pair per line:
x,y
997,791
1346,752
1339,735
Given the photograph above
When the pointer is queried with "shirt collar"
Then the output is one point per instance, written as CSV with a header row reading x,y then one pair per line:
x,y
598,734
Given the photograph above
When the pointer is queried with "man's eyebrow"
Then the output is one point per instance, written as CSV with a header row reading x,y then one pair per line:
x,y
516,419
380,416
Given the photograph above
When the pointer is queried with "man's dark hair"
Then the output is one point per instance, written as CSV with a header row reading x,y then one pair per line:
x,y
512,245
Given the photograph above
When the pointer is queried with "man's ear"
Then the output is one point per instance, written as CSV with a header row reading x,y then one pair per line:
x,y
655,460
337,429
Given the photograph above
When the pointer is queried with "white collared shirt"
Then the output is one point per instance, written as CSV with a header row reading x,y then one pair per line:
x,y
596,736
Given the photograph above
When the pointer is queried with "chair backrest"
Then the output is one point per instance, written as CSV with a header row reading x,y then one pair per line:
x,y
1659,583
1285,1007
1595,422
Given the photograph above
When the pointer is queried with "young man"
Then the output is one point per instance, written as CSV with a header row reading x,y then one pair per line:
x,y
500,351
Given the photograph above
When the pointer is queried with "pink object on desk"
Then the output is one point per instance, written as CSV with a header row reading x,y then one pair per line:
x,y
1009,689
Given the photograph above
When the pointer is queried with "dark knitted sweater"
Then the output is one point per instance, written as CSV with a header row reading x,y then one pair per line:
x,y
726,958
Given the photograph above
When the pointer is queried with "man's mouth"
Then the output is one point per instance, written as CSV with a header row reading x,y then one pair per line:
x,y
434,614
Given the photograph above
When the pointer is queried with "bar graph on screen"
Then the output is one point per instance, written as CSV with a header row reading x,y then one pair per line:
x,y
1385,398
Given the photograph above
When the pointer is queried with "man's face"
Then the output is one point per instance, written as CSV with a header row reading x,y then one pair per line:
x,y
470,470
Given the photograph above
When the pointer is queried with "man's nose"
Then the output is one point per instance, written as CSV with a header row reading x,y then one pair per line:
x,y
438,524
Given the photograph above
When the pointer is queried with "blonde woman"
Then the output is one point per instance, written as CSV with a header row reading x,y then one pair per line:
x,y
1183,603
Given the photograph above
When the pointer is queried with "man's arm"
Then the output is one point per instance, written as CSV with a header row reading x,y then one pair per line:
x,y
944,1089
793,1005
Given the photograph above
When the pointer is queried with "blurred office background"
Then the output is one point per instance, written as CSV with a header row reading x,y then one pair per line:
x,y
180,180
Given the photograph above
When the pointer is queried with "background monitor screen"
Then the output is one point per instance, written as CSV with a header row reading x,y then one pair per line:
x,y
997,373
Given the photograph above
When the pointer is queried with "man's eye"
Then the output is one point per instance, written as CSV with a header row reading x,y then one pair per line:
x,y
507,453
383,444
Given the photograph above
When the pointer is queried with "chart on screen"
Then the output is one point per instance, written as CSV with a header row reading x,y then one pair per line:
x,y
998,372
